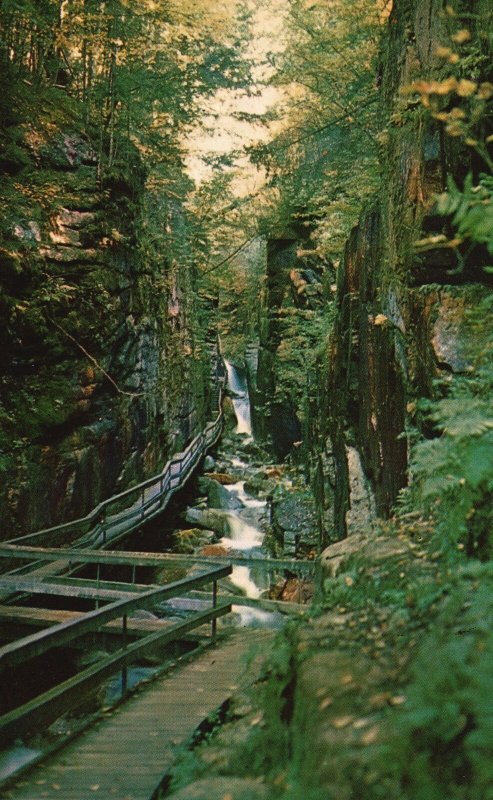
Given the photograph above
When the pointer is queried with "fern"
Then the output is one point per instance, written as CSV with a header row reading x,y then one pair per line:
x,y
453,473
471,210
443,739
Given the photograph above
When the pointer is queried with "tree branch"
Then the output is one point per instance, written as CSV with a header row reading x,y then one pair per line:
x,y
231,255
93,360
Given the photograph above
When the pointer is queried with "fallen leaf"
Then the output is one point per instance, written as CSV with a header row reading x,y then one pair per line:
x,y
342,722
379,700
398,700
371,736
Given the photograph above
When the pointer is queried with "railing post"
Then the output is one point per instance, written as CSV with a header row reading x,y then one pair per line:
x,y
214,605
142,501
124,647
98,575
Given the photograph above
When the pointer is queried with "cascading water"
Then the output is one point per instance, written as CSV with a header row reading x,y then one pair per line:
x,y
247,537
238,387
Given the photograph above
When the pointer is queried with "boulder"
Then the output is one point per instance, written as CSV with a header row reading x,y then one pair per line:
x,y
218,496
221,477
294,520
335,554
260,485
209,463
209,519
191,540
214,550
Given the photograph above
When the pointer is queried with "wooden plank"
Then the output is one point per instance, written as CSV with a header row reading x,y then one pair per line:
x,y
145,731
151,559
44,586
58,635
68,695
43,617
117,586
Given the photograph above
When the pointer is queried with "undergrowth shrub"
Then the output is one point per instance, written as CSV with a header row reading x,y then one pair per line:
x,y
453,472
442,739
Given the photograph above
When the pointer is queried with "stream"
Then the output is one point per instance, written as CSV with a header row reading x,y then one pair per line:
x,y
244,518
238,388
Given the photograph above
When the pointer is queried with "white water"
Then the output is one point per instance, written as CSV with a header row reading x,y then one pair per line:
x,y
241,402
244,536
241,577
239,490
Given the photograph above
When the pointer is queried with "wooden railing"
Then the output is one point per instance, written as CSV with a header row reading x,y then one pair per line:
x,y
68,695
121,514
74,556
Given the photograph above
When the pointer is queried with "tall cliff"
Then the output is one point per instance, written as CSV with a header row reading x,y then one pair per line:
x,y
104,371
401,321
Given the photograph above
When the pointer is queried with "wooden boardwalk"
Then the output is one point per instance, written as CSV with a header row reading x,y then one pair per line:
x,y
126,754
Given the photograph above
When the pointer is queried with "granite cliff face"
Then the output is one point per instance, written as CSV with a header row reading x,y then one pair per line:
x,y
290,326
102,373
401,316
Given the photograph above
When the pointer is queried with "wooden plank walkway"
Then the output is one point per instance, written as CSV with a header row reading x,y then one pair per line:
x,y
35,618
127,753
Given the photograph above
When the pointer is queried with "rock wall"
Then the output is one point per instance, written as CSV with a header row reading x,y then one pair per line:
x,y
102,373
401,319
289,330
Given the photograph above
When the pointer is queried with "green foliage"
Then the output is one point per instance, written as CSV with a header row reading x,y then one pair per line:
x,y
453,472
442,740
327,76
471,210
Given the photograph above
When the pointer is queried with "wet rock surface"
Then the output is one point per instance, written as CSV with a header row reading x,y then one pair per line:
x,y
217,496
294,522
209,518
90,399
189,541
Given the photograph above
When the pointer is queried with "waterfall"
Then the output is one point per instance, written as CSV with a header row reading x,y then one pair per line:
x,y
238,387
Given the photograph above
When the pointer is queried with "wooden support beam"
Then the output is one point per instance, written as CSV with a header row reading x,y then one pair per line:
x,y
45,708
117,586
151,559
59,635
45,586
44,617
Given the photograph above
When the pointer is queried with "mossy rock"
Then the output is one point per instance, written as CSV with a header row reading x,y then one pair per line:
x,y
221,788
13,159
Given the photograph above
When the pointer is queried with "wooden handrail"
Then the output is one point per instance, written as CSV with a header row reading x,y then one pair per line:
x,y
100,526
137,559
46,707
58,635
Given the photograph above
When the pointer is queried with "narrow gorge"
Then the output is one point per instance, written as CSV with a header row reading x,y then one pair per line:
x,y
246,293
